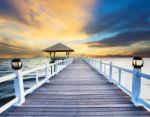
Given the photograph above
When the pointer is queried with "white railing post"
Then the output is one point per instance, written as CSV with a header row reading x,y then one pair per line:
x,y
19,87
104,69
37,77
110,72
92,62
119,77
63,63
96,64
136,86
56,67
100,66
60,65
53,69
46,74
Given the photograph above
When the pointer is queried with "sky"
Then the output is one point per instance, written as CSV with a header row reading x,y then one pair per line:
x,y
90,27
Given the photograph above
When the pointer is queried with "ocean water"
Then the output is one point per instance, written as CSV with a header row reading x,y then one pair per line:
x,y
5,69
126,79
127,63
5,64
6,88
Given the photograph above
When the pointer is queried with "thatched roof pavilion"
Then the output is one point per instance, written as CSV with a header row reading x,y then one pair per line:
x,y
59,47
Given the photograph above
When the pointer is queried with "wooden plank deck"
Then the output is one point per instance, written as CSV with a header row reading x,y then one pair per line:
x,y
77,91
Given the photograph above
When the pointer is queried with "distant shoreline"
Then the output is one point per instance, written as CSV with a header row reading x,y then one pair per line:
x,y
87,56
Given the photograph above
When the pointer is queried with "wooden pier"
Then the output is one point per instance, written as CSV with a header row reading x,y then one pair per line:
x,y
77,91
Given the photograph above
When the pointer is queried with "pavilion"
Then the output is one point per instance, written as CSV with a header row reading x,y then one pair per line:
x,y
59,47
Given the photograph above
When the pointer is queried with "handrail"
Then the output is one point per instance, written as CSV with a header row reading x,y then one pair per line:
x,y
33,70
100,66
7,77
49,69
146,76
123,69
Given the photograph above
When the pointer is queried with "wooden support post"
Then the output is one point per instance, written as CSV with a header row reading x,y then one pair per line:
x,y
68,54
19,87
50,54
54,55
110,72
136,86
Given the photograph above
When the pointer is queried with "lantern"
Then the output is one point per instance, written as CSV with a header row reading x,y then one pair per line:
x,y
16,64
137,62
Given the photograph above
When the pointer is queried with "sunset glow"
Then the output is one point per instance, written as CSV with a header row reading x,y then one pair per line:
x,y
91,27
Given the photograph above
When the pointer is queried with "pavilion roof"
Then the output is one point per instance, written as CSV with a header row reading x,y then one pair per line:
x,y
59,47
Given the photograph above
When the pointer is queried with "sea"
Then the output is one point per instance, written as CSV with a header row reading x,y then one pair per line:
x,y
29,63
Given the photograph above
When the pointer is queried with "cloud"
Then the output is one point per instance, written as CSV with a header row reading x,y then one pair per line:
x,y
28,26
41,23
124,44
122,39
54,15
121,28
119,16
9,10
10,48
142,52
53,19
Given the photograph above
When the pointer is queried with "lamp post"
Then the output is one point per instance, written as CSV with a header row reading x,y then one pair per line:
x,y
18,81
137,64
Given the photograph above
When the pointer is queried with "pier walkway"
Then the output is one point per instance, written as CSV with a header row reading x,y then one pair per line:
x,y
77,91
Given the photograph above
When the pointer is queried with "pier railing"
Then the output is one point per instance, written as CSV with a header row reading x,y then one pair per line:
x,y
116,75
41,75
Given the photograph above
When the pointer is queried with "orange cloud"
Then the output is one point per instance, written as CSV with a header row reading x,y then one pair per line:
x,y
61,19
38,24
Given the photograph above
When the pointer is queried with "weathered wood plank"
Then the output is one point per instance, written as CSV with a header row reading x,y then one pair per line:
x,y
57,109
